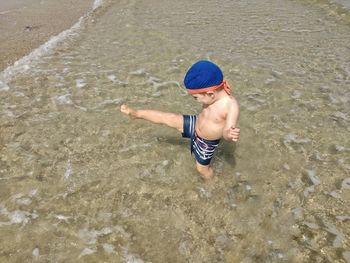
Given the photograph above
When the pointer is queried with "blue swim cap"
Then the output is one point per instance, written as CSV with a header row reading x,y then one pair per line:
x,y
202,74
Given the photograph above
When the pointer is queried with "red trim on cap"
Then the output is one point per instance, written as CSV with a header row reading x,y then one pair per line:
x,y
223,84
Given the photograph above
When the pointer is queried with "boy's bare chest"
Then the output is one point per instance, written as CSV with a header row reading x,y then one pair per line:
x,y
209,124
210,116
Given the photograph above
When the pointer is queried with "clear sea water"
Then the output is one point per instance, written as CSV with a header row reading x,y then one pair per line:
x,y
80,182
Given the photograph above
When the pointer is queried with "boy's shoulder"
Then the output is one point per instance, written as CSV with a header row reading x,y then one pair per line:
x,y
228,101
233,100
229,104
225,105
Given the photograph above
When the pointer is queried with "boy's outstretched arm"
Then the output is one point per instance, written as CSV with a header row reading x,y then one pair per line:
x,y
170,119
231,132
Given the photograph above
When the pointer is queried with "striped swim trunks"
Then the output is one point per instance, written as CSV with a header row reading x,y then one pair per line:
x,y
203,149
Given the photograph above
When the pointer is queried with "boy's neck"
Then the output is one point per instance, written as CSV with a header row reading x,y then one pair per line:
x,y
219,94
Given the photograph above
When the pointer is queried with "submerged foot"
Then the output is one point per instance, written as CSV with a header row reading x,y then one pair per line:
x,y
205,171
127,110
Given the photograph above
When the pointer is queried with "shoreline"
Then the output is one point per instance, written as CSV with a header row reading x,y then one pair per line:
x,y
25,25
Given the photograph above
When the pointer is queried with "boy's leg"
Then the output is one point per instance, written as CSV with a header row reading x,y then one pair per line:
x,y
205,170
170,119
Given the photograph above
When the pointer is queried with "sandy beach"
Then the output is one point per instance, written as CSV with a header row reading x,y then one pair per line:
x,y
25,25
82,182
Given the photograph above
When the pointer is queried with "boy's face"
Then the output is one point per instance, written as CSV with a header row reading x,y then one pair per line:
x,y
204,98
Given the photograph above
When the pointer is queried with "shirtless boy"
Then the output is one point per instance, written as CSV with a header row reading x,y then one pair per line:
x,y
204,81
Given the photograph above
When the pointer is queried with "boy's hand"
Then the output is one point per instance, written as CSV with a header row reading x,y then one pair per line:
x,y
232,134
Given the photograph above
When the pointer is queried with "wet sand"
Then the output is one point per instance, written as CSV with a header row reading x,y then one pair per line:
x,y
25,25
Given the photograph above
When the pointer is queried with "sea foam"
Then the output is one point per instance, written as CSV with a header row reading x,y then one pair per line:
x,y
23,64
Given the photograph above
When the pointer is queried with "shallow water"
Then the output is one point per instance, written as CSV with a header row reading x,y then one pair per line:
x,y
80,182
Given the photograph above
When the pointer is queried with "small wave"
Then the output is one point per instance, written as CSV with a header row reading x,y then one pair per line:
x,y
97,4
23,64
345,3
336,8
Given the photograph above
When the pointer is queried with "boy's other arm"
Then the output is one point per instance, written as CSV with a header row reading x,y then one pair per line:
x,y
231,132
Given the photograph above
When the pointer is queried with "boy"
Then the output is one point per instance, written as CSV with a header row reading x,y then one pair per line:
x,y
204,81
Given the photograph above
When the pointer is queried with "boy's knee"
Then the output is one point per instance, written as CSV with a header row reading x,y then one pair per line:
x,y
175,121
175,117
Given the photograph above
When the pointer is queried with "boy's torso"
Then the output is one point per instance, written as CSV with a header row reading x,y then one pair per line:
x,y
211,121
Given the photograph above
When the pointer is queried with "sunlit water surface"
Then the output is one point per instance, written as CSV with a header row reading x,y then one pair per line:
x,y
80,182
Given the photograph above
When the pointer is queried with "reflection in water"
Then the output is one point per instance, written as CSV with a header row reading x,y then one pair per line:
x,y
82,182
